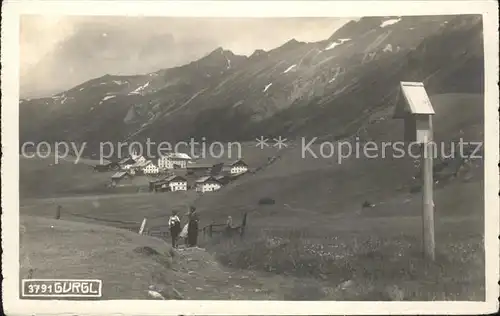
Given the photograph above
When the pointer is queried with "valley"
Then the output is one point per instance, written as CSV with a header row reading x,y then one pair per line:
x,y
335,230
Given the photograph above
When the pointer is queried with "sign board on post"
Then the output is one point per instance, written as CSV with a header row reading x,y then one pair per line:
x,y
415,108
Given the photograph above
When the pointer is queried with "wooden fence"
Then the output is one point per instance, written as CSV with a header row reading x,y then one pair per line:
x,y
207,231
163,232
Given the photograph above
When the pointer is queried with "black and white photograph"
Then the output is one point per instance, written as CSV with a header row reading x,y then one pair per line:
x,y
226,161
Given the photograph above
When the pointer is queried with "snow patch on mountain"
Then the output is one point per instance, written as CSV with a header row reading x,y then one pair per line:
x,y
140,89
267,86
228,62
289,68
338,71
131,115
107,98
119,82
390,22
237,104
387,48
338,42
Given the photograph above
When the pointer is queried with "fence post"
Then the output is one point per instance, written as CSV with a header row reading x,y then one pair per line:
x,y
210,231
143,225
58,212
243,224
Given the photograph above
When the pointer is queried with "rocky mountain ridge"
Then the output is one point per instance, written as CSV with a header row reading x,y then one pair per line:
x,y
326,88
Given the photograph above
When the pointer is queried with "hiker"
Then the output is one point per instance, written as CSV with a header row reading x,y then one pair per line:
x,y
192,227
174,223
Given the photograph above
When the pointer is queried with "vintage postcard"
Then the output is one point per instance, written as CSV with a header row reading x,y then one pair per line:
x,y
250,157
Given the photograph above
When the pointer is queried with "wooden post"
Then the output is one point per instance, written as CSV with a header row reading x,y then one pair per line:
x,y
428,200
243,225
143,225
210,230
58,212
413,105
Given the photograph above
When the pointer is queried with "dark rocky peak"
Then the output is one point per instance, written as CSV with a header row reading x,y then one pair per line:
x,y
258,54
222,58
219,53
290,45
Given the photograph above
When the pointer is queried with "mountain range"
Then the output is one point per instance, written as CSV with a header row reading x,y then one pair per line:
x,y
327,89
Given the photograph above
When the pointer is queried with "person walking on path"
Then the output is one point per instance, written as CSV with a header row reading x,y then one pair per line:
x,y
174,223
192,227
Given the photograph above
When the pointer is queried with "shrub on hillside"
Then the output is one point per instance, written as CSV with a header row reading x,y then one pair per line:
x,y
266,201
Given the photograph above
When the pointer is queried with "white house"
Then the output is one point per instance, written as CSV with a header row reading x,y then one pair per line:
x,y
236,167
138,165
150,168
207,184
177,183
174,160
172,183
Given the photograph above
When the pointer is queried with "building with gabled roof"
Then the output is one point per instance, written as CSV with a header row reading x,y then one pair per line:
x,y
207,184
236,167
174,160
118,176
150,168
126,161
172,183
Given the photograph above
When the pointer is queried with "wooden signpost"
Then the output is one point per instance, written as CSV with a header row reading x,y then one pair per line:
x,y
416,109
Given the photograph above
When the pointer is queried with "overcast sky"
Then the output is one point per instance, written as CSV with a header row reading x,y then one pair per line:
x,y
58,53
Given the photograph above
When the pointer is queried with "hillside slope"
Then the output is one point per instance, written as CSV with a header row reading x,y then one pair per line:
x,y
342,183
326,88
128,264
